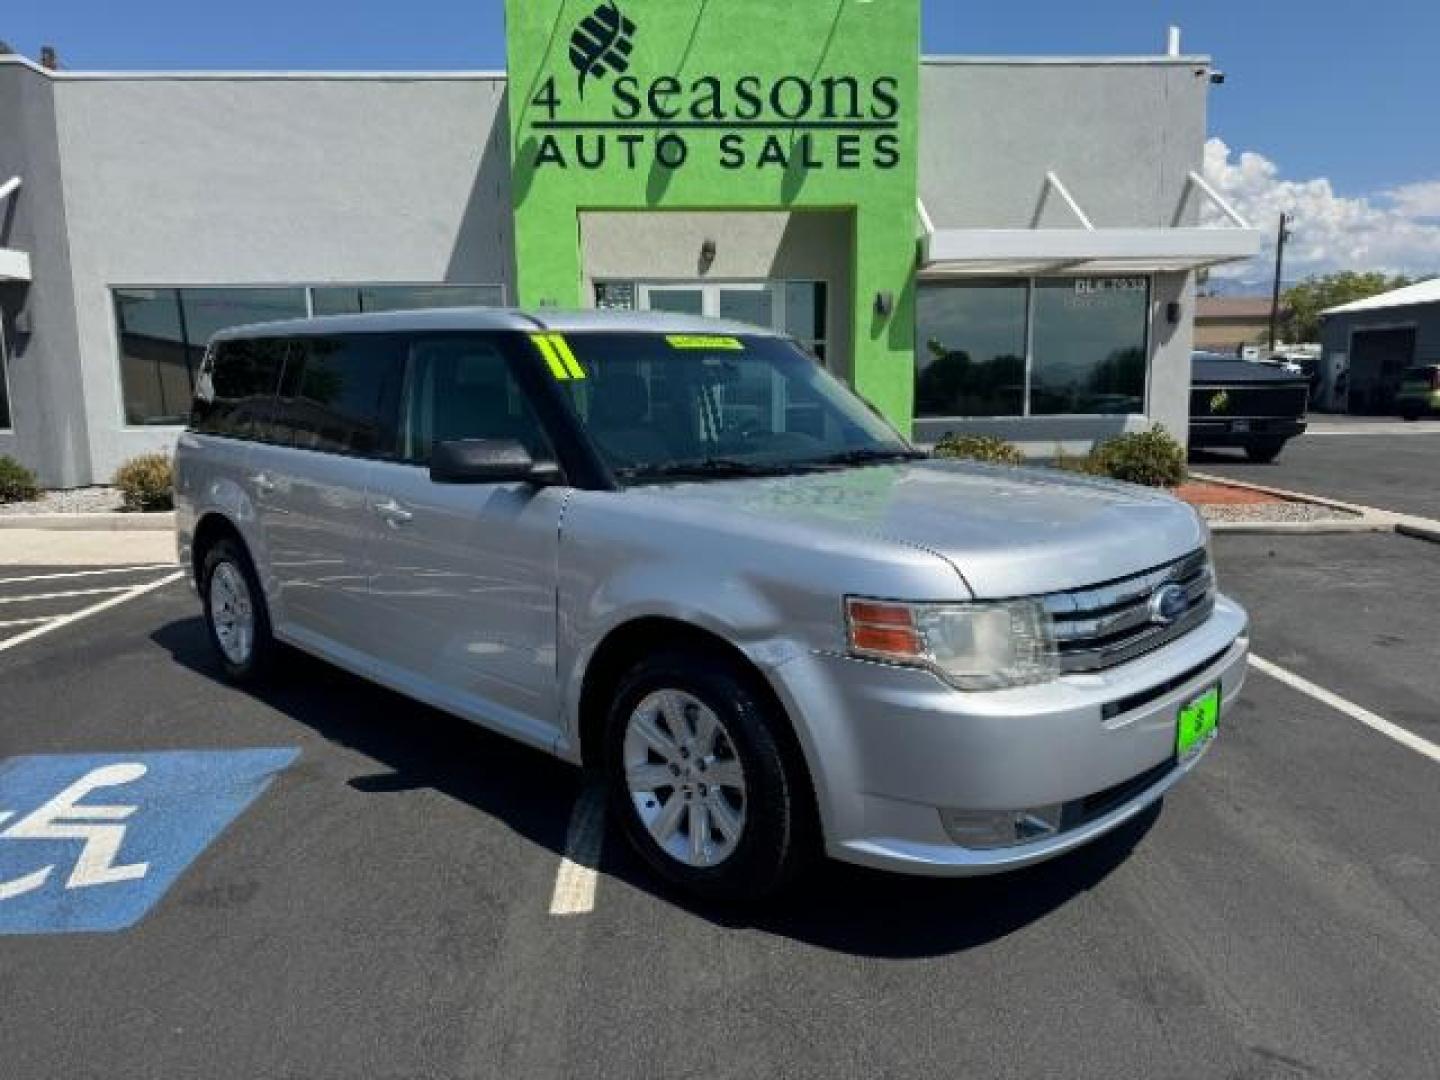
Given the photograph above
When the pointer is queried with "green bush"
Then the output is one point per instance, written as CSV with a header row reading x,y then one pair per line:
x,y
1152,458
979,448
147,483
17,483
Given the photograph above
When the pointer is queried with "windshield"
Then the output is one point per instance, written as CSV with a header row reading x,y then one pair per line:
x,y
660,405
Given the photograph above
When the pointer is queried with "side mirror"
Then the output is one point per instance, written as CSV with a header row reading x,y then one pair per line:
x,y
489,461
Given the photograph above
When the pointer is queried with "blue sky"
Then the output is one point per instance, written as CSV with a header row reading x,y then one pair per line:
x,y
1334,104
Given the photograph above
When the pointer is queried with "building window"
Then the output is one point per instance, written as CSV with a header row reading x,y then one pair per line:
x,y
970,349
1088,346
163,332
1048,346
350,299
4,381
162,340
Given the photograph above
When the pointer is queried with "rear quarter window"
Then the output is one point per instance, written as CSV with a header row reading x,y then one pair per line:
x,y
236,387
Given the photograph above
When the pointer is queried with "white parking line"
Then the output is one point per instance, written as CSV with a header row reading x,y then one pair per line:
x,y
1376,723
93,609
157,567
25,622
576,879
68,594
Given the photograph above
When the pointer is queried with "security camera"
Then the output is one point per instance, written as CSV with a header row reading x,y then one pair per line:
x,y
1217,78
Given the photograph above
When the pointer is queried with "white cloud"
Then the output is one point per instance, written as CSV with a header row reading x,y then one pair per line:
x,y
1389,232
1420,200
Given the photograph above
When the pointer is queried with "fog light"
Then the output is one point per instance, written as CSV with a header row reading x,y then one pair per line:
x,y
1000,828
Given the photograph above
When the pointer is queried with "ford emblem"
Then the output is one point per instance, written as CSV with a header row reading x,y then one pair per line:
x,y
1168,603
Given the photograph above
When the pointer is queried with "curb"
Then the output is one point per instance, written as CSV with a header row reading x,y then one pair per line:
x,y
1370,518
1301,528
1293,496
105,522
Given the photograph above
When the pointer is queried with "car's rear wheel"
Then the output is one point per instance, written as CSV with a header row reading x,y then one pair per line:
x,y
1264,450
235,613
700,780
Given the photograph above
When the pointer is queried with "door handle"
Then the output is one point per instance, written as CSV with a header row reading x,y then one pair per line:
x,y
263,483
393,513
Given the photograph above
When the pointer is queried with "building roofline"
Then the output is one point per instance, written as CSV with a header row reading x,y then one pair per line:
x,y
17,60
945,60
480,75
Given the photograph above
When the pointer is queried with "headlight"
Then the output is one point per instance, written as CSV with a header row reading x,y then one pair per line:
x,y
979,646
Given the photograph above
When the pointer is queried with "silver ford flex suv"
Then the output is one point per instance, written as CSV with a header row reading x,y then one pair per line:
x,y
678,552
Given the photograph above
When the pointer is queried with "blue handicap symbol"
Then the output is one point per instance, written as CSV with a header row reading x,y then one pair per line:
x,y
93,841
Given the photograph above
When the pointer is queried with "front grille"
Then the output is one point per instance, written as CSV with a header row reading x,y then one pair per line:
x,y
1248,402
1110,623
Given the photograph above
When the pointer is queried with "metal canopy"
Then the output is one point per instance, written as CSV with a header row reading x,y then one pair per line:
x,y
1087,249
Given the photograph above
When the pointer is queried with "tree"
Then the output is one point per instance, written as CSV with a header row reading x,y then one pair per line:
x,y
1304,302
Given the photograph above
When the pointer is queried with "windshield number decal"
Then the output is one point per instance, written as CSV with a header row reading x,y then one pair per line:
x,y
704,341
558,356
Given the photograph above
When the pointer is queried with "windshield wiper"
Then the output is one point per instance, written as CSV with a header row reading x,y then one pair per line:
x,y
715,467
869,455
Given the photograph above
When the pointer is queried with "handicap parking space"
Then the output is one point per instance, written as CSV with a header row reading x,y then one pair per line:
x,y
346,883
35,597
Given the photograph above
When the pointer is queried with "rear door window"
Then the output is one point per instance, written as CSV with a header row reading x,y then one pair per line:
x,y
341,395
236,387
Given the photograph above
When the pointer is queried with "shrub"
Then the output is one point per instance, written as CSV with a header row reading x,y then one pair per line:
x,y
1151,457
979,448
147,483
17,483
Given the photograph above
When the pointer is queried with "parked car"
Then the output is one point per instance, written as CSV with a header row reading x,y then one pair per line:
x,y
1254,406
678,552
1419,392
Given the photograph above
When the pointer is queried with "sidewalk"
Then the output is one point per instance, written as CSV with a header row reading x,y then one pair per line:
x,y
85,547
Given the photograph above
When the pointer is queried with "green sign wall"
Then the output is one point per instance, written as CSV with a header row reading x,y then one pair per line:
x,y
656,105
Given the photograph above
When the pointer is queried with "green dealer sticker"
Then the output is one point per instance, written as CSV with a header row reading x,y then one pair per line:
x,y
1197,721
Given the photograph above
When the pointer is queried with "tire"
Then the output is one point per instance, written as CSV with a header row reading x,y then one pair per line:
x,y
229,586
1264,451
771,842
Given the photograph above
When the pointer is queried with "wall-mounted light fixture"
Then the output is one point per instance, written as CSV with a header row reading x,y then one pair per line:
x,y
1172,312
885,304
707,255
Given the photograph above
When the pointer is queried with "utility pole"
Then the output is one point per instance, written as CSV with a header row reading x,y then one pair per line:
x,y
1282,235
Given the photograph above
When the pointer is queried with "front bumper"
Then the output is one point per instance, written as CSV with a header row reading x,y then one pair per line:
x,y
889,747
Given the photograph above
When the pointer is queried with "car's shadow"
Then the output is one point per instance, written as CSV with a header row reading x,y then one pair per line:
x,y
1225,457
835,906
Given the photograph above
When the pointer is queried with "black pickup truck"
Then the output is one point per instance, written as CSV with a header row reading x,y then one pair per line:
x,y
1255,406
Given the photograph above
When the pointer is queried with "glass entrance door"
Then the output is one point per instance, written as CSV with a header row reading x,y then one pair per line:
x,y
796,308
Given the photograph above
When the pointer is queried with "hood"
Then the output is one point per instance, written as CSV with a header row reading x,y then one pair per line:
x,y
1008,531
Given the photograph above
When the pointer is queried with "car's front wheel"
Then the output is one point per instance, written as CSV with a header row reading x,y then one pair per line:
x,y
700,780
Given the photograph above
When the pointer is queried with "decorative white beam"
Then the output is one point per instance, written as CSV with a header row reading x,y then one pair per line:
x,y
1064,193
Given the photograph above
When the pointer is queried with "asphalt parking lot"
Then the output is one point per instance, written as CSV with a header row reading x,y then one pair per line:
x,y
379,904
1391,465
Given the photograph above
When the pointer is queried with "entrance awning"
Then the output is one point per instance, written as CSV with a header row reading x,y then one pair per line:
x,y
14,265
1088,250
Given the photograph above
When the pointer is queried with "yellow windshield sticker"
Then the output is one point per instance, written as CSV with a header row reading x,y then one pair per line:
x,y
567,357
558,356
704,341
